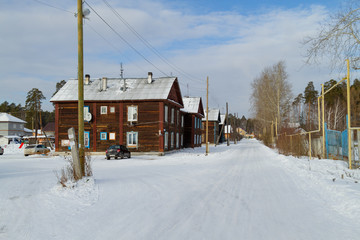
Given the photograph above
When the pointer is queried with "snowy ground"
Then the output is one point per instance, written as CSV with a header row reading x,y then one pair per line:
x,y
245,191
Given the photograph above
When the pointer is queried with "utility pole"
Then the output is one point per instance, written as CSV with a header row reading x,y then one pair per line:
x,y
121,71
227,125
81,88
348,112
323,120
207,117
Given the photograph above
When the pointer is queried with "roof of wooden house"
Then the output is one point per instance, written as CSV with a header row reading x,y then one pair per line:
x,y
193,105
122,89
214,115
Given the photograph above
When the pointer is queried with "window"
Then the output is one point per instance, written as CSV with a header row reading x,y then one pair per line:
x,y
132,139
172,115
103,135
103,110
177,117
112,109
177,140
87,139
172,140
166,112
182,140
166,140
195,122
112,136
132,113
194,139
182,121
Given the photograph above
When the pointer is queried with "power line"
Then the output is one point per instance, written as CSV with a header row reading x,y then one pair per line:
x,y
112,45
146,43
49,5
124,40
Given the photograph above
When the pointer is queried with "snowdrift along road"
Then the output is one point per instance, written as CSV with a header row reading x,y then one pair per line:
x,y
245,191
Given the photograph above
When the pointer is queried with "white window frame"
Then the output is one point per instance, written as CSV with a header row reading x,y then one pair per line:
x,y
103,110
172,115
132,139
166,140
112,136
132,115
172,140
166,113
112,109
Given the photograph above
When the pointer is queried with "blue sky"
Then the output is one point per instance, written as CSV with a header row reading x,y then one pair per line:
x,y
229,41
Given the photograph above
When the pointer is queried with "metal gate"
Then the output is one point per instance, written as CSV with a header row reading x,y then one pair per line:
x,y
333,142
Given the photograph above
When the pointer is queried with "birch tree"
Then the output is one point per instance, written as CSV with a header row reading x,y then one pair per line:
x,y
338,38
271,95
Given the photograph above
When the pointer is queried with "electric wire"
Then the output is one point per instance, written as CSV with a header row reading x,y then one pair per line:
x,y
52,6
124,40
147,44
112,45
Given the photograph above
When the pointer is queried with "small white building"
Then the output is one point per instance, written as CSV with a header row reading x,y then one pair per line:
x,y
11,128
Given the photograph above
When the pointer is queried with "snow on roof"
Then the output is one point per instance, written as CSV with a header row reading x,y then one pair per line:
x,y
191,104
5,117
117,89
214,115
222,119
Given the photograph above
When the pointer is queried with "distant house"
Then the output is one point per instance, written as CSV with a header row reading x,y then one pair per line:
x,y
228,131
193,113
11,128
214,121
49,129
141,113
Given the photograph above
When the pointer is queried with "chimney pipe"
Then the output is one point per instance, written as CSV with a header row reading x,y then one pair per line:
x,y
103,84
149,80
87,79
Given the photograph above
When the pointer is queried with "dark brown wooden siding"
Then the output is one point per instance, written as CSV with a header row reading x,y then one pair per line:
x,y
149,126
213,131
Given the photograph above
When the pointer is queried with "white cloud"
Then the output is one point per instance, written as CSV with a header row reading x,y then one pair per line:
x,y
231,48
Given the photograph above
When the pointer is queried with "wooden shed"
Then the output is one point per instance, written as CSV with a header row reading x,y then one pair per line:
x,y
141,113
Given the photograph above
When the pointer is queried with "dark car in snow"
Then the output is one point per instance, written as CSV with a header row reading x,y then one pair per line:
x,y
117,151
1,151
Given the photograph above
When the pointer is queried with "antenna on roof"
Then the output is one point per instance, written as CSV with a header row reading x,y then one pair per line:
x,y
121,71
187,86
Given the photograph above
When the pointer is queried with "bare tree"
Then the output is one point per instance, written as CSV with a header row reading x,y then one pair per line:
x,y
271,96
338,37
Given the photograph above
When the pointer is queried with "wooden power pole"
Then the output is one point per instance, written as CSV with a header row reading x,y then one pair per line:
x,y
207,117
81,88
227,126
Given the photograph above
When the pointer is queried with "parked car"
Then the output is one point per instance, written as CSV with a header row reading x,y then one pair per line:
x,y
35,149
1,151
117,151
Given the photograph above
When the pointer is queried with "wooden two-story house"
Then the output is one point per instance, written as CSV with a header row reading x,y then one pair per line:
x,y
193,113
141,113
214,129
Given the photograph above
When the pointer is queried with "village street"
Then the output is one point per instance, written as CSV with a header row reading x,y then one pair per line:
x,y
245,191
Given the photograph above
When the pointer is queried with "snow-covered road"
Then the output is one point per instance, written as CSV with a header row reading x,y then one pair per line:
x,y
245,191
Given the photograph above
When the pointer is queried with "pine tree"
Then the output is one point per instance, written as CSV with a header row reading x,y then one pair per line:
x,y
310,96
33,107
